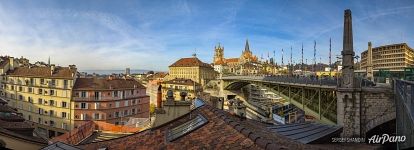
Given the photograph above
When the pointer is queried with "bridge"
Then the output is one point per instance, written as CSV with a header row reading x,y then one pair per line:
x,y
358,111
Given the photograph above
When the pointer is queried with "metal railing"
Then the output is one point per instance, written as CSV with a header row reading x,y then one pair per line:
x,y
404,92
289,79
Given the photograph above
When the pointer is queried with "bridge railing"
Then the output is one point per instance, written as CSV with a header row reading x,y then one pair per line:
x,y
290,79
404,92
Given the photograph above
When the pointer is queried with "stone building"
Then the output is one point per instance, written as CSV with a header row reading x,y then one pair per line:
x,y
192,68
111,100
393,57
246,64
42,95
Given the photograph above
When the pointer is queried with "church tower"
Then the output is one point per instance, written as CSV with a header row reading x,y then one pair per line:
x,y
218,54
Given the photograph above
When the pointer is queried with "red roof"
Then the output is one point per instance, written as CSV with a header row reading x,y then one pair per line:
x,y
189,62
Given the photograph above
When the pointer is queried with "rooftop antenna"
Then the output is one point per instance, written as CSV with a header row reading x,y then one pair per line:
x,y
195,52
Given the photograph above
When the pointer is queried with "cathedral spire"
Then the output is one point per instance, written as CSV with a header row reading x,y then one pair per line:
x,y
247,48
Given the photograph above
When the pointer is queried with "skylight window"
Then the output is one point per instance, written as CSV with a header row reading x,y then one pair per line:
x,y
186,128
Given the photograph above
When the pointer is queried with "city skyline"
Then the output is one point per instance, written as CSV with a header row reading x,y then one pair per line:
x,y
152,35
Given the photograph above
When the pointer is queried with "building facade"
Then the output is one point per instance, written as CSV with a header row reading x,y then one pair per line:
x,y
112,100
42,95
394,57
179,85
192,68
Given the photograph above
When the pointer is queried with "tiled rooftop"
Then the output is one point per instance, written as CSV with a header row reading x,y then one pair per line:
x,y
106,84
189,62
59,72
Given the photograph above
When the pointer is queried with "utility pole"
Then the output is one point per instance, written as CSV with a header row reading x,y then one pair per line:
x,y
301,65
282,58
330,62
291,60
314,57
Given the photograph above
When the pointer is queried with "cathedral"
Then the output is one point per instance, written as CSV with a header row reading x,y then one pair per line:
x,y
246,64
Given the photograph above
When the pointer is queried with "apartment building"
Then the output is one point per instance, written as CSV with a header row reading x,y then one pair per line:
x,y
42,94
393,57
179,85
112,100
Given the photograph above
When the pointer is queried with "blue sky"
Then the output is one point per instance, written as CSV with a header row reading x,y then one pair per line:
x,y
153,34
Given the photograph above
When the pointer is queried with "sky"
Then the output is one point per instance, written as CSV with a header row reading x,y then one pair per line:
x,y
153,34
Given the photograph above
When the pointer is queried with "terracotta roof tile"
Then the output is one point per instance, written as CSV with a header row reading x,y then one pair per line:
x,y
60,72
105,84
189,62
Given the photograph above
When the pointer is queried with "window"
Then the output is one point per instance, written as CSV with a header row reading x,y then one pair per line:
x,y
51,102
30,109
83,116
133,111
30,90
123,94
41,111
52,123
39,101
29,117
96,95
96,116
30,99
20,88
83,94
132,92
64,126
63,114
125,112
185,128
84,106
64,104
96,105
40,91
21,97
116,114
51,112
53,82
52,92
126,103
116,104
115,93
42,81
39,120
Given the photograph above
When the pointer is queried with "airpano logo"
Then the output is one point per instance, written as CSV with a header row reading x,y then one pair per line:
x,y
377,139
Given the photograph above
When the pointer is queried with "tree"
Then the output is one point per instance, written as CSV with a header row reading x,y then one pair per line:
x,y
152,108
150,72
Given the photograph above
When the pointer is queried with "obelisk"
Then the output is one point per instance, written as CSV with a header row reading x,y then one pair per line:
x,y
348,53
348,96
370,72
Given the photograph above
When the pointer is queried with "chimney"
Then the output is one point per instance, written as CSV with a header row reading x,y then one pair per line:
x,y
52,69
11,63
159,97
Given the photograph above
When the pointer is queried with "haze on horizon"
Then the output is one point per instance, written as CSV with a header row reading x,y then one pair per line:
x,y
151,35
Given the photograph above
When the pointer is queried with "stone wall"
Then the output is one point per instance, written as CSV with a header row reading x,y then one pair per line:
x,y
360,110
378,107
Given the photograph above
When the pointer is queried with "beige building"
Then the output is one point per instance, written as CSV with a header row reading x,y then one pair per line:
x,y
192,68
179,85
42,95
394,57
